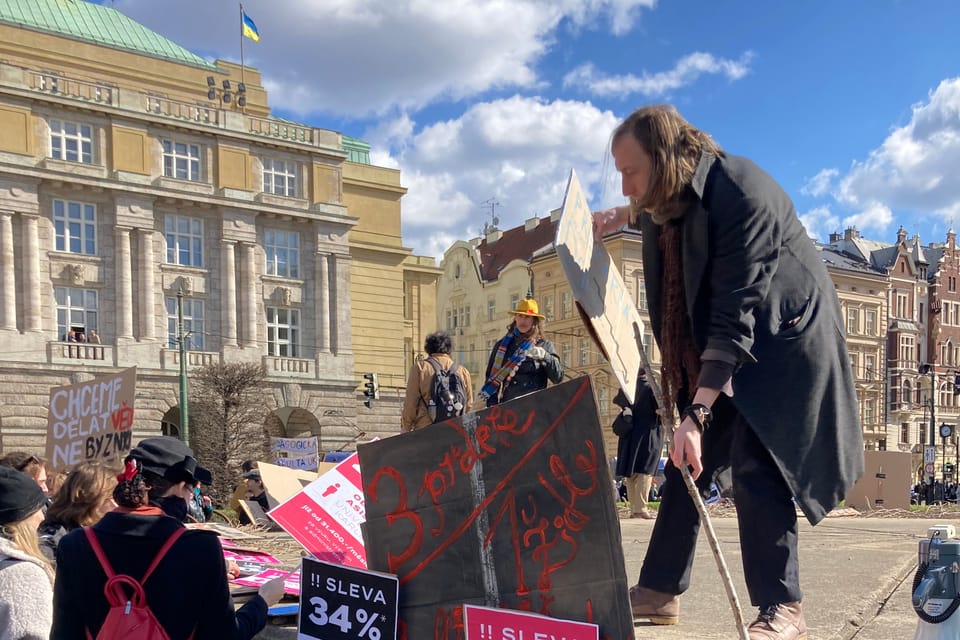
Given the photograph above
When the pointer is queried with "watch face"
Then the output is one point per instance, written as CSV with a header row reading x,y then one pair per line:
x,y
946,431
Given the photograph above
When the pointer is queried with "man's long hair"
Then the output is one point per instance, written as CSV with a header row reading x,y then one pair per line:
x,y
674,145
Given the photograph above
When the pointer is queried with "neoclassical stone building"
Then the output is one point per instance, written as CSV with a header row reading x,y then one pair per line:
x,y
132,170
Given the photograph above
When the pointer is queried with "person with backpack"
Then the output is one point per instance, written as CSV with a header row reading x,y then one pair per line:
x,y
437,389
521,361
26,578
139,574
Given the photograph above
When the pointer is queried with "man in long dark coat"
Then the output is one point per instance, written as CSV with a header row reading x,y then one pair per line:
x,y
750,330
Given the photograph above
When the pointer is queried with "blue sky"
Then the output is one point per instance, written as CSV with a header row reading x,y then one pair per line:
x,y
853,106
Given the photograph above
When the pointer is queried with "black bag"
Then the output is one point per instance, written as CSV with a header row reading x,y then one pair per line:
x,y
623,424
449,399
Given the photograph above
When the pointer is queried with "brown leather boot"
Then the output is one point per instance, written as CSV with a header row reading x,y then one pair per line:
x,y
782,621
657,607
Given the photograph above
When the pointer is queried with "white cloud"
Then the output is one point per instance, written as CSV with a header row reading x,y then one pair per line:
x,y
820,184
874,217
361,57
518,151
820,222
686,71
914,169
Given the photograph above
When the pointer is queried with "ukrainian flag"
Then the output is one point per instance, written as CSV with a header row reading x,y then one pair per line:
x,y
249,28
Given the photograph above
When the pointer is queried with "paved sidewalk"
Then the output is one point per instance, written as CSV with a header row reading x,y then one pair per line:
x,y
856,574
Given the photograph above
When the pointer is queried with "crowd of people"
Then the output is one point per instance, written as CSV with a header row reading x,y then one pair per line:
x,y
64,557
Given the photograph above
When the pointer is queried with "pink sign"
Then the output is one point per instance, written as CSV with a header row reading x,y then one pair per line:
x,y
325,516
485,623
291,583
250,556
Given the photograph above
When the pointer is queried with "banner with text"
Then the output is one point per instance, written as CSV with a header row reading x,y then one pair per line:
x,y
487,623
91,421
325,516
342,603
514,501
296,453
605,304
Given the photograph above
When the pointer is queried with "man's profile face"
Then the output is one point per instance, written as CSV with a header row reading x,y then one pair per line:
x,y
254,487
635,166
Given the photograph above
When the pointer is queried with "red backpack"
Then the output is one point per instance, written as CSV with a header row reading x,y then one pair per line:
x,y
129,616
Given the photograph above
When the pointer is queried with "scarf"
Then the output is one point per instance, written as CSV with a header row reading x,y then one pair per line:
x,y
501,370
680,355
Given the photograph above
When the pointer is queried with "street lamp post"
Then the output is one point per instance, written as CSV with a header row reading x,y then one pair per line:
x,y
927,369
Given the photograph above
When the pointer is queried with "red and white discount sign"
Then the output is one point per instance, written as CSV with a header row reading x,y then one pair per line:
x,y
485,623
325,517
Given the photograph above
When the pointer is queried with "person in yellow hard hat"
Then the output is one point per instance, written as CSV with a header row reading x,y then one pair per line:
x,y
522,361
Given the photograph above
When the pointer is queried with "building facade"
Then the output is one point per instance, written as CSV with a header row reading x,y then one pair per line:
x,y
132,171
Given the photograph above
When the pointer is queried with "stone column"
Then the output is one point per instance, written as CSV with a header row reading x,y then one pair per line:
x,y
340,341
32,311
148,307
249,295
228,282
8,282
322,302
123,268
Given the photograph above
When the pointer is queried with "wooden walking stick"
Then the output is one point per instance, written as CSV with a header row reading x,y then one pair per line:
x,y
668,419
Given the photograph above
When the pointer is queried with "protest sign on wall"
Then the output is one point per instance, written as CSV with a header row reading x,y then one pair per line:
x,y
325,517
296,453
344,603
515,501
91,421
485,623
604,301
307,463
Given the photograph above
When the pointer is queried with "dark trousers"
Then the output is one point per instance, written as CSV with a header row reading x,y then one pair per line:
x,y
767,519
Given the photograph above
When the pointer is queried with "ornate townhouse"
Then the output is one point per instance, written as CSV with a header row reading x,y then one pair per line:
x,y
132,170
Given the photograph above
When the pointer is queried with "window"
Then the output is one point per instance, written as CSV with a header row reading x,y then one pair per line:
x,y
514,301
76,311
181,160
905,432
193,327
869,367
584,352
951,283
75,227
641,296
566,304
853,365
869,412
283,253
603,391
283,332
871,323
184,240
903,308
853,321
548,306
565,353
491,309
71,141
907,357
280,178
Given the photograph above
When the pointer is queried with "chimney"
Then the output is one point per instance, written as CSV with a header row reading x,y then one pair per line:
x,y
531,223
851,233
493,236
835,237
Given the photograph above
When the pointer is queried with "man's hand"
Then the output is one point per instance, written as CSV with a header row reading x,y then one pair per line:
x,y
271,591
537,353
608,220
233,570
685,448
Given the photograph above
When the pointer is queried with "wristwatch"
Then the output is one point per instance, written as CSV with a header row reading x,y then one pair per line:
x,y
700,414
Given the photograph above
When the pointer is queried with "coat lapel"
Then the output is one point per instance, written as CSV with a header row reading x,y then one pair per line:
x,y
695,239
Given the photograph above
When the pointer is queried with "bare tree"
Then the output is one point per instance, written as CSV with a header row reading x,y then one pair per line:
x,y
228,412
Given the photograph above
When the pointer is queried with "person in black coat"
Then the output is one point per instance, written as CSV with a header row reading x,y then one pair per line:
x,y
639,445
750,329
188,592
522,361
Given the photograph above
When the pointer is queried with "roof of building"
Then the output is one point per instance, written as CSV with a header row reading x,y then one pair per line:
x,y
517,243
95,23
836,259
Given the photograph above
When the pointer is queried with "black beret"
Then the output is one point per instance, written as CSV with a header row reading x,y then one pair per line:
x,y
20,496
170,458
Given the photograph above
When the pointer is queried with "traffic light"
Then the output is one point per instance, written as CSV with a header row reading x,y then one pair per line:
x,y
371,389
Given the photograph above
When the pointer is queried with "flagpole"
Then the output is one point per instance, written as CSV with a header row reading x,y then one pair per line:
x,y
241,46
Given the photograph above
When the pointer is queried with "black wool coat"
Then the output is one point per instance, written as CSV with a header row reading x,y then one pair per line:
x,y
531,375
639,450
759,296
188,591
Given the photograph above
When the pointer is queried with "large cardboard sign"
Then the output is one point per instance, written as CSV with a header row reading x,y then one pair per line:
x,y
598,288
325,517
484,623
507,507
91,421
885,483
341,603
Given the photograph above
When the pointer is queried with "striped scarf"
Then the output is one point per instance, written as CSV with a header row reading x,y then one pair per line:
x,y
501,371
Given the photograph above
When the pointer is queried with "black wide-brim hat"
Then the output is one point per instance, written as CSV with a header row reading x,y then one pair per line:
x,y
20,496
170,458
